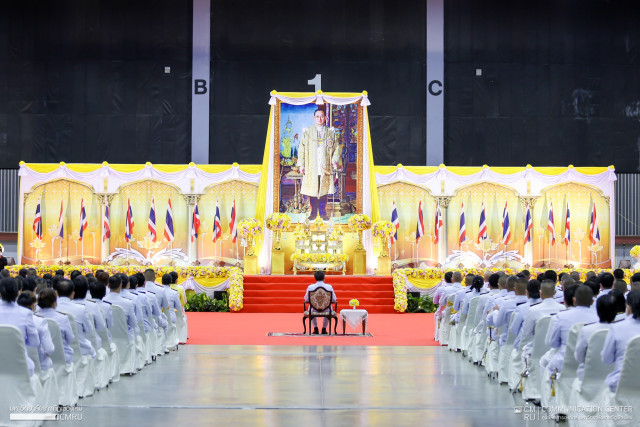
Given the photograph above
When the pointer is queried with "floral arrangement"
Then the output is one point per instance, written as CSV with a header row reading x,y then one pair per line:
x,y
336,235
249,227
383,229
318,221
354,303
301,233
635,251
236,286
359,222
319,258
278,221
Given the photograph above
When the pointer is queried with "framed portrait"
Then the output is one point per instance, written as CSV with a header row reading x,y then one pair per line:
x,y
318,161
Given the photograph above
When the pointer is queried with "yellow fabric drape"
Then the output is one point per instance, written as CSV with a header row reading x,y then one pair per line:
x,y
375,206
470,170
215,281
423,283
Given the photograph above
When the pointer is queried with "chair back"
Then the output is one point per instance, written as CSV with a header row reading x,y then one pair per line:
x,y
539,344
14,373
473,307
57,357
119,330
320,298
77,351
511,337
595,371
570,364
629,384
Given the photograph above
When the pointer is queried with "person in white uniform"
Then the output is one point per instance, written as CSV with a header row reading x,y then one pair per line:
x,y
319,276
561,324
20,317
546,307
114,297
65,289
620,333
606,309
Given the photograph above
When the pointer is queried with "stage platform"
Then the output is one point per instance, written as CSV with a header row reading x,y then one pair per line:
x,y
285,294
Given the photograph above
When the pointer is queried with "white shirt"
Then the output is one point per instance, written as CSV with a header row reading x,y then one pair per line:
x,y
80,316
546,307
315,286
585,334
558,332
22,318
615,344
65,330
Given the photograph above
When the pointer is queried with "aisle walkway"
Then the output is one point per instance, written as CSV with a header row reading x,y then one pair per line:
x,y
305,386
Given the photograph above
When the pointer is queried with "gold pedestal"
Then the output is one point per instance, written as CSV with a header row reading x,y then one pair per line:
x,y
251,265
277,262
384,266
359,262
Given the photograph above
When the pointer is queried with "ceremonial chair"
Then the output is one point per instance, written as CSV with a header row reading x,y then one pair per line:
x,y
82,364
531,376
469,326
557,388
627,394
19,390
320,300
504,354
589,392
120,337
49,392
112,352
65,374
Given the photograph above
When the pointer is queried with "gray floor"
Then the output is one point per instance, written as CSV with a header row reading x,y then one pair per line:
x,y
312,385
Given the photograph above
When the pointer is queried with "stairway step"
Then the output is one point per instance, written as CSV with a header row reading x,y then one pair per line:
x,y
303,287
309,279
297,300
300,294
297,308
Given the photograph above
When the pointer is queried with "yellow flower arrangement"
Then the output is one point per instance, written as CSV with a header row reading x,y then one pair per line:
x,y
354,303
336,235
301,233
383,229
359,222
318,258
635,251
278,221
249,227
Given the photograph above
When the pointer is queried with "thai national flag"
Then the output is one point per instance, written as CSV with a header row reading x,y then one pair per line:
x,y
83,220
594,233
437,224
396,223
152,222
506,228
420,224
195,223
61,223
551,227
233,228
37,222
482,228
217,228
129,223
528,226
106,228
168,224
567,227
462,234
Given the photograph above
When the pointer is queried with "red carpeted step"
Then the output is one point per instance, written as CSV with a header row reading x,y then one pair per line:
x,y
284,294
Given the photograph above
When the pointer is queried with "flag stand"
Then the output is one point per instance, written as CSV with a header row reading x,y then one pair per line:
x,y
550,252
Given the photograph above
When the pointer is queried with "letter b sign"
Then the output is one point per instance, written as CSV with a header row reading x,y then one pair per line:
x,y
200,87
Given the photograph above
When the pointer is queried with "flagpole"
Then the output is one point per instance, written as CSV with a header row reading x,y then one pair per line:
x,y
550,251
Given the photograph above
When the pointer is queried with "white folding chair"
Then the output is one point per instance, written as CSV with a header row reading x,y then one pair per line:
x,y
120,337
531,379
445,326
101,365
628,392
468,326
18,387
83,364
504,354
113,355
48,381
556,391
65,374
589,392
172,336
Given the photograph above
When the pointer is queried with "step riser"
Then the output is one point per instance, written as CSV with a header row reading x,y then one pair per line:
x,y
300,295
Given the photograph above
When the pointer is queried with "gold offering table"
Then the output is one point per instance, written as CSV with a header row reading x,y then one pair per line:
x,y
319,249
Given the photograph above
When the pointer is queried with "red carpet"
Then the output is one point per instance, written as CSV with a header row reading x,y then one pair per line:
x,y
284,294
252,329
